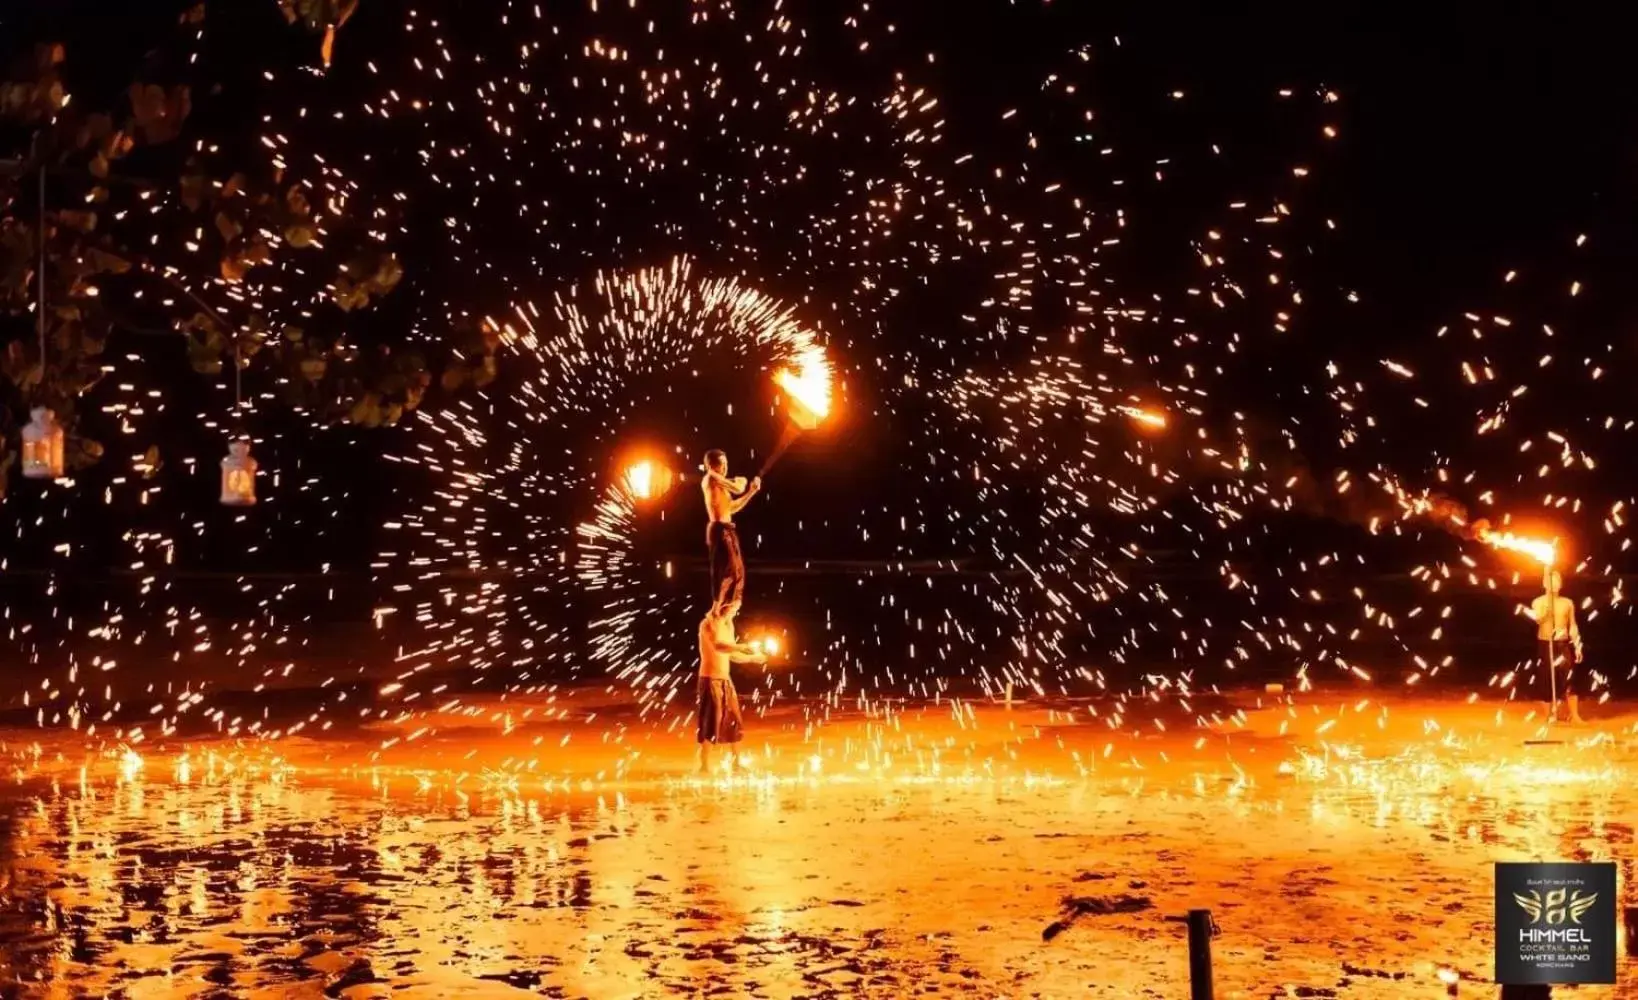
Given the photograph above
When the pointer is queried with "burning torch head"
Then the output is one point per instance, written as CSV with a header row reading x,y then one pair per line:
x,y
808,391
647,479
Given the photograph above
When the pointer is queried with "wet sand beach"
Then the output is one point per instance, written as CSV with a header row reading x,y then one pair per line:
x,y
1343,844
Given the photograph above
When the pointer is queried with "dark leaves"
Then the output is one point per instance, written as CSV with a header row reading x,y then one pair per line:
x,y
158,112
102,261
34,92
83,222
81,452
227,227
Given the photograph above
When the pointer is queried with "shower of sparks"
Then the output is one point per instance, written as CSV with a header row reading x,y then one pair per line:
x,y
521,527
955,270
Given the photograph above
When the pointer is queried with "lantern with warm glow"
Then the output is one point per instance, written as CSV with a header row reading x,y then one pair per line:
x,y
43,445
238,476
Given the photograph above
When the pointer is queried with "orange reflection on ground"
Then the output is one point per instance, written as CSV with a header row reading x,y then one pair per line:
x,y
866,854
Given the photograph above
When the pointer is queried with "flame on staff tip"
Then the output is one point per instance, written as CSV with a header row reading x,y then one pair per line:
x,y
1146,417
808,389
1543,552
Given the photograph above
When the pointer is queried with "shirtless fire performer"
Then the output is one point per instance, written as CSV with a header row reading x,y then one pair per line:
x,y
724,498
1558,638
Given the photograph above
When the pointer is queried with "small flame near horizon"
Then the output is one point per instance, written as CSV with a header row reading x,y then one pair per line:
x,y
1147,417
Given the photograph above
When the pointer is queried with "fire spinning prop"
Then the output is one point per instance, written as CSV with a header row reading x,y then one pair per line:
x,y
648,479
808,392
567,532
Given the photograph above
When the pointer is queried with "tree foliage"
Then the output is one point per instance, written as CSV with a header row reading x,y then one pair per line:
x,y
152,224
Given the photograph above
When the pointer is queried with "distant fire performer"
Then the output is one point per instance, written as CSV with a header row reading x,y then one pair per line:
x,y
720,720
724,498
1558,638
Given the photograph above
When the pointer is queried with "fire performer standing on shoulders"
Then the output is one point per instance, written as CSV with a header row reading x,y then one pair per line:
x,y
724,498
1557,639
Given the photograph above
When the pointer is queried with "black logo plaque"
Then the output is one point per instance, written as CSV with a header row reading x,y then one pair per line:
x,y
1555,923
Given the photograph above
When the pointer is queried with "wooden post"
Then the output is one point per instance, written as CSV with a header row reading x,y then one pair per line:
x,y
1009,696
1200,928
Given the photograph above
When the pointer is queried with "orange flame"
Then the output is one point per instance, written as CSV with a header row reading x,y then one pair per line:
x,y
808,388
1543,552
646,479
1143,416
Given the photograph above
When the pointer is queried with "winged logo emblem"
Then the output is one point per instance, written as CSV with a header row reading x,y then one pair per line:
x,y
1559,906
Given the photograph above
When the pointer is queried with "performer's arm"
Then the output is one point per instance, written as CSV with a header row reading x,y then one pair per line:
x,y
735,650
738,652
721,481
755,487
1575,634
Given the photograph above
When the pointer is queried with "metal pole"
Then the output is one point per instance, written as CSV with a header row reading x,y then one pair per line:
x,y
40,319
1552,646
1200,928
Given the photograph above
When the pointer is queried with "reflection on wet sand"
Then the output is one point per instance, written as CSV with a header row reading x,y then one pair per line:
x,y
1357,865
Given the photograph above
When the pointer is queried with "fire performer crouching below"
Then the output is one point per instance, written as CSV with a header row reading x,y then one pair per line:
x,y
720,720
1557,639
721,537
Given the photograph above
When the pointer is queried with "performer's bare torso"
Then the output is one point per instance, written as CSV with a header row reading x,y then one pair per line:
x,y
718,502
714,664
1557,626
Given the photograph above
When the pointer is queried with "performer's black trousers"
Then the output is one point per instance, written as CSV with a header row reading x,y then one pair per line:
x,y
727,565
1561,654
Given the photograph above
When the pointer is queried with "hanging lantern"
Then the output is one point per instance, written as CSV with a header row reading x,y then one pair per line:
x,y
238,476
43,445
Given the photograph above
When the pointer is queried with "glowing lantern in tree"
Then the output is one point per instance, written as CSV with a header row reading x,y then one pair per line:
x,y
238,476
43,445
